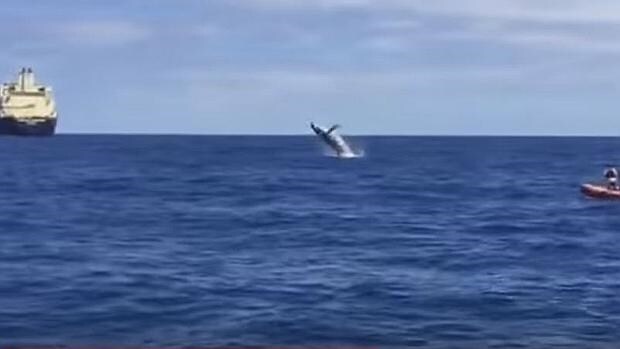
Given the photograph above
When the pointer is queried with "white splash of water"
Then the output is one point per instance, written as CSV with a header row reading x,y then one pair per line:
x,y
347,153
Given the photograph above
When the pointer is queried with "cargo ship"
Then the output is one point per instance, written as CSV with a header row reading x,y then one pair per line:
x,y
27,108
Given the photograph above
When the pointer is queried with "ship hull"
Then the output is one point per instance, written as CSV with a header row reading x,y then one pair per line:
x,y
15,127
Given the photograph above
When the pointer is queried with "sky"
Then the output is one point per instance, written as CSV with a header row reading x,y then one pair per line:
x,y
412,67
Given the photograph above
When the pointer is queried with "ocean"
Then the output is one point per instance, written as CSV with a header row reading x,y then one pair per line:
x,y
439,242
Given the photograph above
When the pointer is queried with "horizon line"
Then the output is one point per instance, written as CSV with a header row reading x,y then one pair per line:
x,y
516,135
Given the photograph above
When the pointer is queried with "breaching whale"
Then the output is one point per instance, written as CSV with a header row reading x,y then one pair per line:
x,y
333,140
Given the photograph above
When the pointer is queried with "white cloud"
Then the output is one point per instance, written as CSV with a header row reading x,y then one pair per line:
x,y
300,4
526,10
101,33
554,37
399,24
539,10
387,44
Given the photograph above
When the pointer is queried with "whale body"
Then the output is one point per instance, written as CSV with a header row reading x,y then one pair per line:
x,y
333,140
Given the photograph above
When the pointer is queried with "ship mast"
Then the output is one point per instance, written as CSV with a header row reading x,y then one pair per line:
x,y
26,80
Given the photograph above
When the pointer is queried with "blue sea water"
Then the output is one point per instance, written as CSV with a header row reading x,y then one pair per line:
x,y
439,242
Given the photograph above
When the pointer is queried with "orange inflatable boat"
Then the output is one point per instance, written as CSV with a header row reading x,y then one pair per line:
x,y
599,191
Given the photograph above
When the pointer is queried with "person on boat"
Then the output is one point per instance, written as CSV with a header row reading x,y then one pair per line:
x,y
611,174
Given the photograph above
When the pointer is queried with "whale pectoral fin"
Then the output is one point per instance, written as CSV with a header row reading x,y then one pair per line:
x,y
333,128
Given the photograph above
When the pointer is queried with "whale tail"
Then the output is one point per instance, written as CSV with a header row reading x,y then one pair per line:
x,y
319,130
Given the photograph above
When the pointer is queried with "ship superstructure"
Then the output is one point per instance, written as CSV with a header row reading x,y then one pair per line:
x,y
27,108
